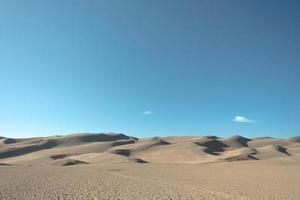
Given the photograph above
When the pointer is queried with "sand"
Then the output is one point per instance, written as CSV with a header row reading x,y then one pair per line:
x,y
116,166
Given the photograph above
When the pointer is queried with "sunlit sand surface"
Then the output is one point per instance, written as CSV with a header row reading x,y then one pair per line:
x,y
116,166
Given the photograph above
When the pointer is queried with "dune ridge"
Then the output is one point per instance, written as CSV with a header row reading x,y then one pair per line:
x,y
194,149
117,166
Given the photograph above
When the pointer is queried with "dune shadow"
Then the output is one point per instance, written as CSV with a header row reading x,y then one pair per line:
x,y
242,140
68,162
74,162
241,158
122,142
138,160
28,149
158,142
122,152
5,164
59,156
212,137
9,141
213,147
282,150
102,137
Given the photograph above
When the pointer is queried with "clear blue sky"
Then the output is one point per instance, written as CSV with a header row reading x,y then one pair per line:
x,y
150,67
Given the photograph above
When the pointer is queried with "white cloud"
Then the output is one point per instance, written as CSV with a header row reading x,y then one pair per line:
x,y
147,112
242,119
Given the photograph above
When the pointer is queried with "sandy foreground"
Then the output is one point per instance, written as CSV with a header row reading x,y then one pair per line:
x,y
116,166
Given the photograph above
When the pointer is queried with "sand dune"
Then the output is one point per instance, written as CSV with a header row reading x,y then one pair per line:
x,y
295,139
236,141
157,150
107,151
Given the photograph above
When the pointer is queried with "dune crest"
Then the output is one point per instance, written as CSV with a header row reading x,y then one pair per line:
x,y
117,166
102,146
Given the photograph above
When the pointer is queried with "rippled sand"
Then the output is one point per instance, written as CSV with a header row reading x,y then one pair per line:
x,y
108,166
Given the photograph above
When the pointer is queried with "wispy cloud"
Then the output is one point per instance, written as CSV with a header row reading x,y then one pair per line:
x,y
242,119
147,112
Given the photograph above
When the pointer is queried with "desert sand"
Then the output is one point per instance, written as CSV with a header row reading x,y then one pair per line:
x,y
117,166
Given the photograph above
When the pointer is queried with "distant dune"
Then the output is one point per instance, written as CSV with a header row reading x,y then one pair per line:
x,y
127,158
47,150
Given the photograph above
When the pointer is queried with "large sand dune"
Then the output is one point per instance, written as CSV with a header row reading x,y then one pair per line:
x,y
117,166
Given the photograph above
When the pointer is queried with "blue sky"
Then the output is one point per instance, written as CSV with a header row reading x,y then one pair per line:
x,y
149,68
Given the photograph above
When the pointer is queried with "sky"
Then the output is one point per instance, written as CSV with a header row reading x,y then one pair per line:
x,y
146,68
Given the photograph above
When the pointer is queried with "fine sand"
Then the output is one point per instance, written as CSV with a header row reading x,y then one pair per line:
x,y
117,166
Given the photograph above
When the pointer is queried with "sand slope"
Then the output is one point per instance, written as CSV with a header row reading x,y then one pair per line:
x,y
106,146
117,166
